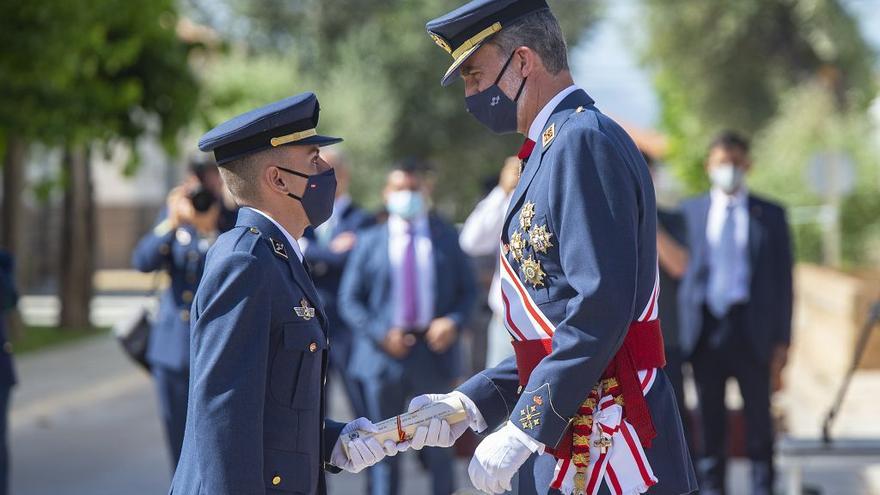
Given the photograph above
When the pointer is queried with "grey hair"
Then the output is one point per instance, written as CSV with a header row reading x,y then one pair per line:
x,y
539,31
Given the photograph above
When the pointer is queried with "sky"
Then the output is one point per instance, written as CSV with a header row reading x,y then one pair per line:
x,y
607,65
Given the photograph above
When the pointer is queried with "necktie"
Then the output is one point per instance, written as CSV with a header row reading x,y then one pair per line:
x,y
724,264
410,282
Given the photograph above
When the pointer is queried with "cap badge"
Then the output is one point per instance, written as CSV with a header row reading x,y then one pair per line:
x,y
441,42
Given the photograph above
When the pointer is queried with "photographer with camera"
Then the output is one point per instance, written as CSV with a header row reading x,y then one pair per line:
x,y
186,229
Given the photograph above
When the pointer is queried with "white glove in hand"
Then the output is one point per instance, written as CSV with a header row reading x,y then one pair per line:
x,y
498,457
439,433
362,453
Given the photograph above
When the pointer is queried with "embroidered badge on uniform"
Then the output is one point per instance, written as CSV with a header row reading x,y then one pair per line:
x,y
306,312
525,215
517,244
278,248
529,417
532,270
539,238
548,135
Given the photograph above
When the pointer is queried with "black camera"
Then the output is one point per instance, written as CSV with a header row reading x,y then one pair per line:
x,y
202,199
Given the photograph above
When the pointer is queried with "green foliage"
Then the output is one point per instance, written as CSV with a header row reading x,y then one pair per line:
x,y
76,73
727,64
35,338
377,75
809,123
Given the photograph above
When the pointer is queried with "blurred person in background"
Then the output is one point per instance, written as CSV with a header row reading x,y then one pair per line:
x,y
479,237
8,301
673,257
326,249
178,244
736,302
406,294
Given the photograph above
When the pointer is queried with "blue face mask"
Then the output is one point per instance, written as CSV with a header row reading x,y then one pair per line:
x,y
493,108
405,204
320,193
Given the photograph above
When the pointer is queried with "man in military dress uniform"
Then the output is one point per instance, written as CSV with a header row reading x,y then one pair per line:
x,y
177,245
255,422
584,406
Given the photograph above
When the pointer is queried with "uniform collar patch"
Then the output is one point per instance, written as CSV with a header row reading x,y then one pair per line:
x,y
548,135
278,248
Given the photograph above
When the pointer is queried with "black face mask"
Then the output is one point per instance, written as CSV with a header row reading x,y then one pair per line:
x,y
493,108
320,193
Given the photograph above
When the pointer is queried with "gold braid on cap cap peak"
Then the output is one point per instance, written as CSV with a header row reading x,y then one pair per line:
x,y
290,138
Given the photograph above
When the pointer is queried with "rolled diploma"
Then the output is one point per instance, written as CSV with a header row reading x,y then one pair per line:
x,y
451,409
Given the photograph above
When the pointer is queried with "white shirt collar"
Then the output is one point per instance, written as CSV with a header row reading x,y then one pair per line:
x,y
398,225
738,199
290,239
543,116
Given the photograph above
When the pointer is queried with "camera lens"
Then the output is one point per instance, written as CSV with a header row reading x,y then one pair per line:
x,y
202,199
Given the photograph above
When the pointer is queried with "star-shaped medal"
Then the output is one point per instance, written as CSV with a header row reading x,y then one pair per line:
x,y
533,272
525,215
539,238
517,244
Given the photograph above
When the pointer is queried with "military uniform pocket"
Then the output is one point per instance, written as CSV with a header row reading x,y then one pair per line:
x,y
287,472
296,367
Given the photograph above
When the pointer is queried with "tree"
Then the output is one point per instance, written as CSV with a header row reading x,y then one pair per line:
x,y
729,64
84,79
377,75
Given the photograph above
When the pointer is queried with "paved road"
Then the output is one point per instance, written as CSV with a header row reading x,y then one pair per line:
x,y
84,422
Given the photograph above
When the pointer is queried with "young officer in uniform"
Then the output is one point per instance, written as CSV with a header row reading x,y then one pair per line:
x,y
255,422
584,406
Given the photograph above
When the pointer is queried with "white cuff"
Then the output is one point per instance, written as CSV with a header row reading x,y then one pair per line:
x,y
477,422
529,442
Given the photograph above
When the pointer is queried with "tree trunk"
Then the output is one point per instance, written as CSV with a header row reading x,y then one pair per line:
x,y
77,240
13,185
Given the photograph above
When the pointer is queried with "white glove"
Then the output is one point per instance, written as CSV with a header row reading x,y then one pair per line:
x,y
498,457
363,452
439,433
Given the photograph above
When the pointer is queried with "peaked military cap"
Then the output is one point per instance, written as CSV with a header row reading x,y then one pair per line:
x,y
289,121
462,31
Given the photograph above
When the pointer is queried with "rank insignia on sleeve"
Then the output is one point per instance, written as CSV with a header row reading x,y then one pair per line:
x,y
278,248
533,272
526,214
517,244
548,135
539,238
529,417
306,312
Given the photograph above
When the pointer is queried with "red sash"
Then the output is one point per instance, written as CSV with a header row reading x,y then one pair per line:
x,y
642,349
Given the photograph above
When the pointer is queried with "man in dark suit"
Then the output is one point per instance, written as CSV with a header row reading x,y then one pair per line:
x,y
406,293
8,300
326,249
735,305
